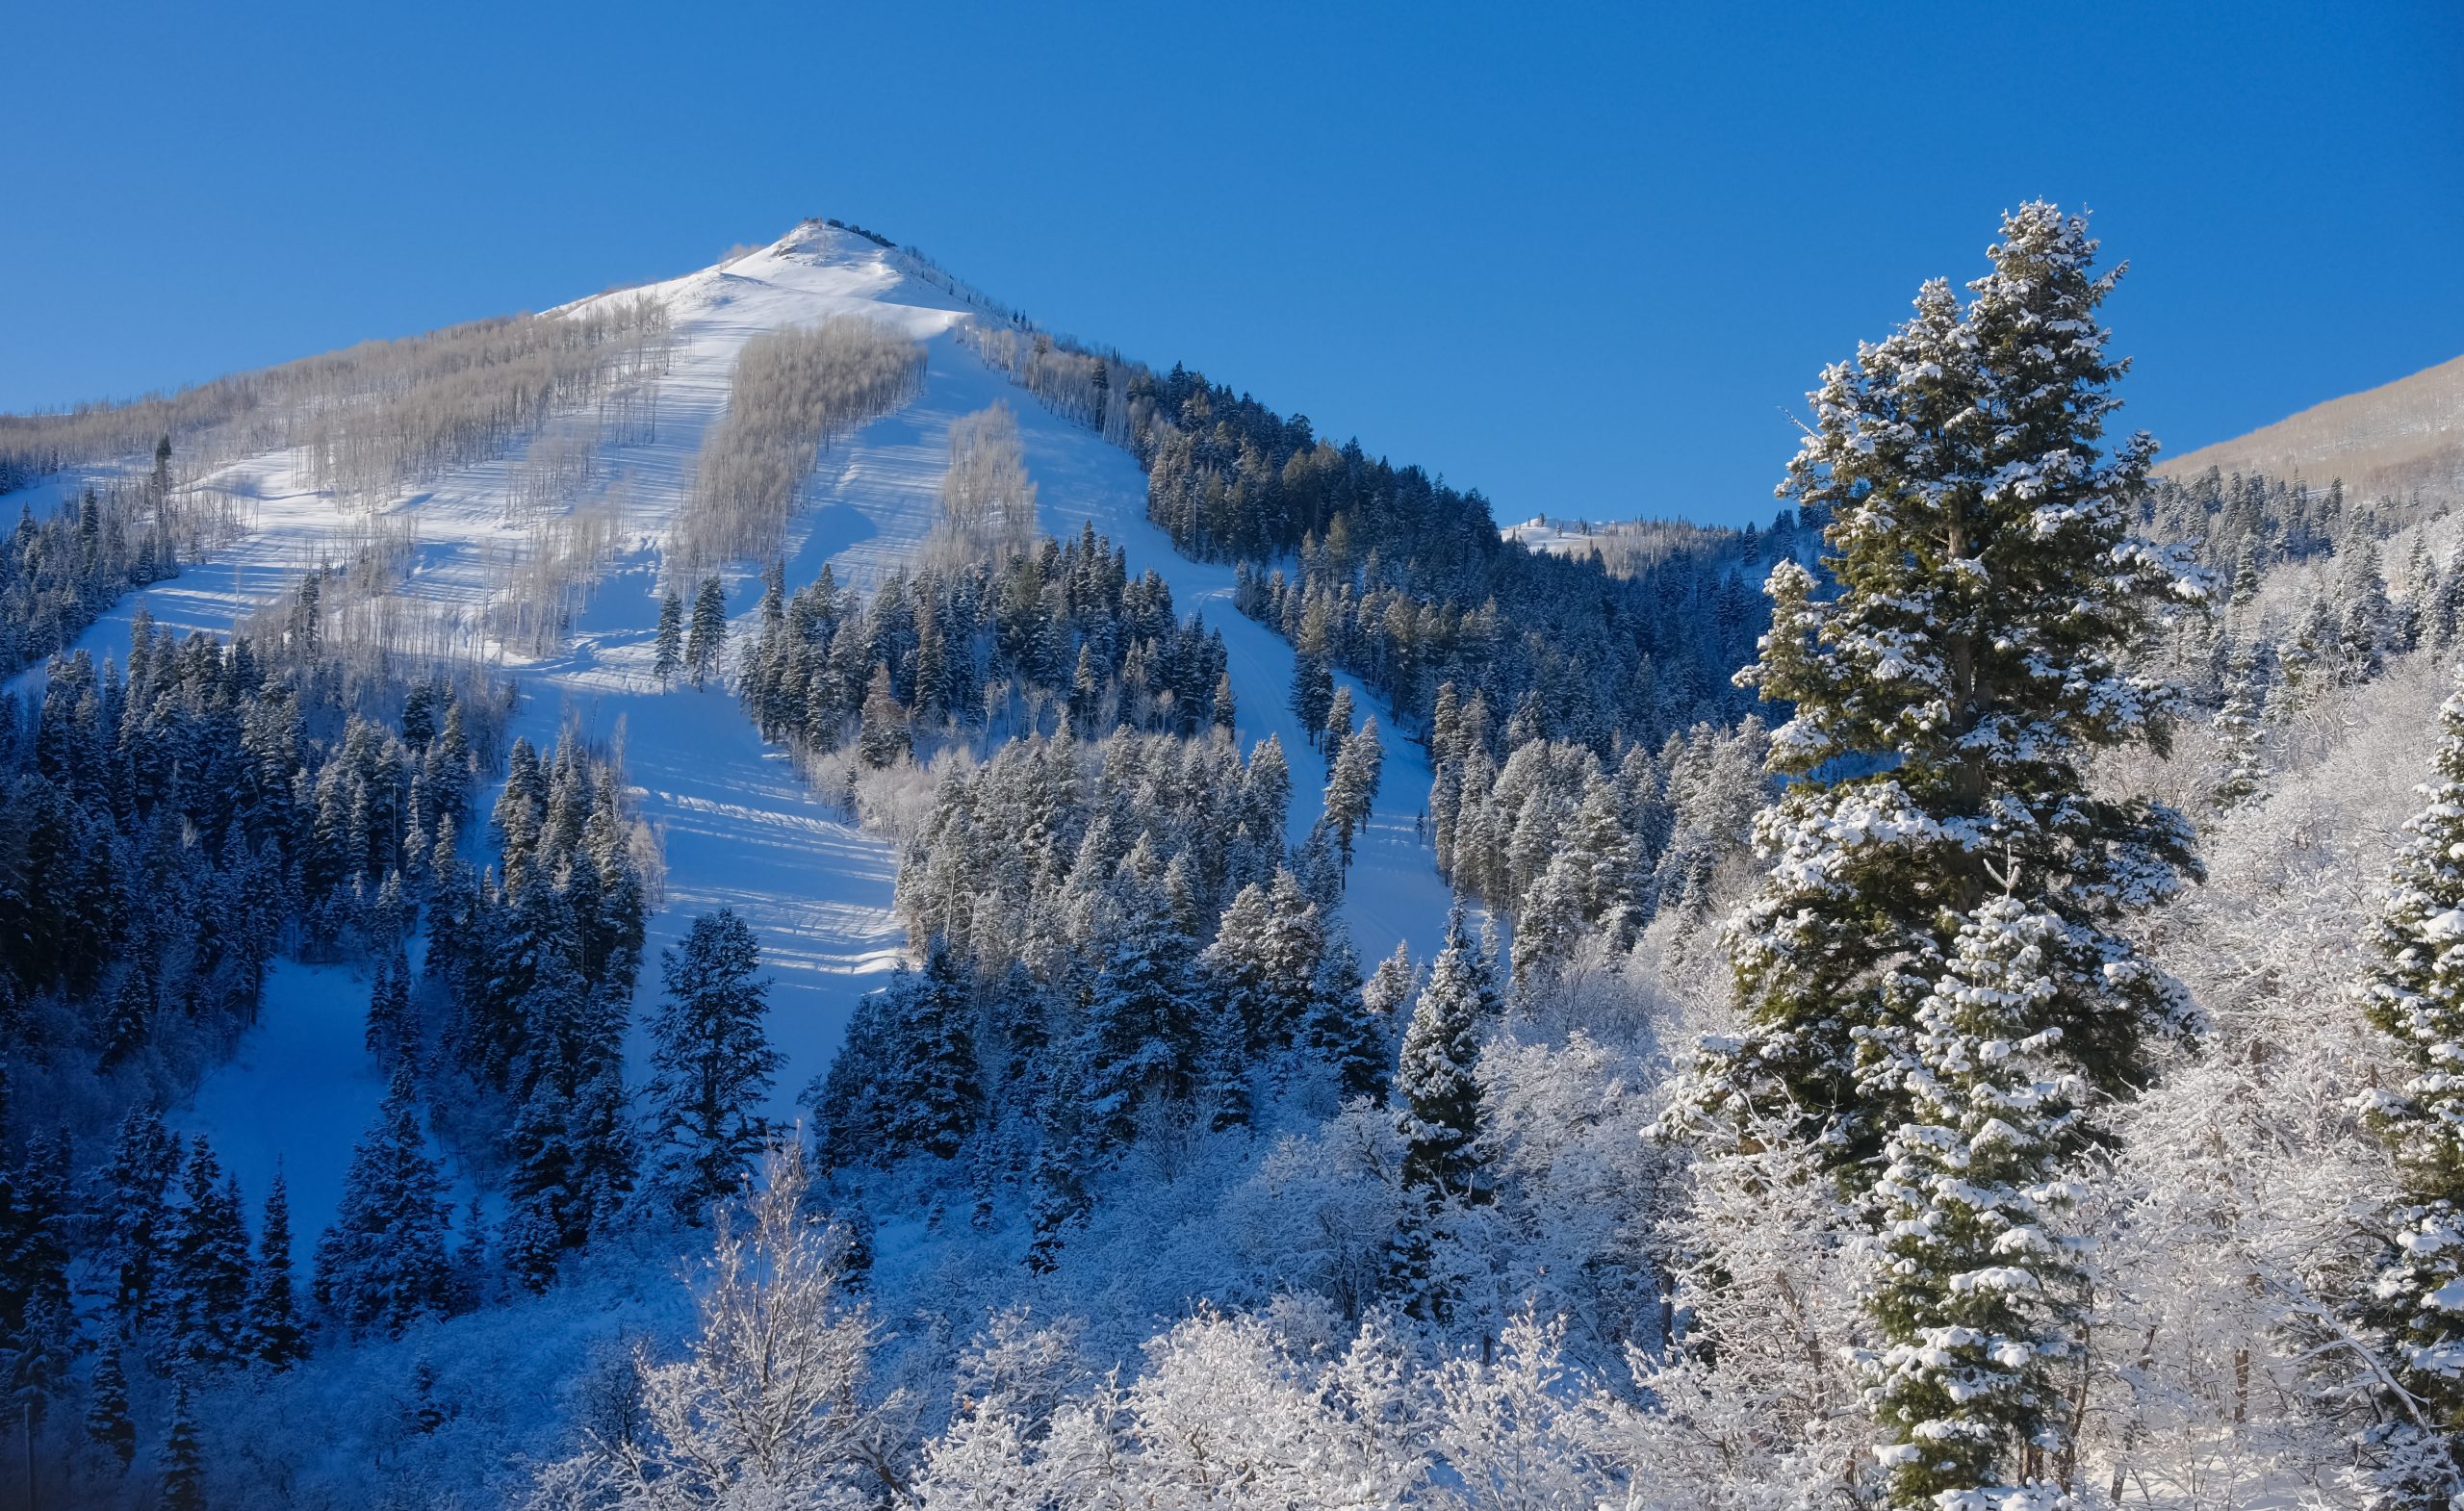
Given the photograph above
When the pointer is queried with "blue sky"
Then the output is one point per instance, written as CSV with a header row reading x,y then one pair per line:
x,y
1583,258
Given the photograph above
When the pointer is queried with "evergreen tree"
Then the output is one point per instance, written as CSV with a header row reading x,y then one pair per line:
x,y
391,1037
130,1023
1950,695
1390,986
706,642
606,1150
1141,1039
2443,620
182,1458
538,1226
131,1216
938,1100
1548,925
1439,1115
1342,1034
1982,1293
208,1266
273,1322
108,1425
711,1064
38,1319
2240,737
2366,633
1058,1198
2414,997
1601,861
1336,728
1223,711
1352,784
883,736
1313,684
668,658
383,1262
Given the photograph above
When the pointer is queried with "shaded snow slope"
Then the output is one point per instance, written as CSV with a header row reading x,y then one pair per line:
x,y
738,828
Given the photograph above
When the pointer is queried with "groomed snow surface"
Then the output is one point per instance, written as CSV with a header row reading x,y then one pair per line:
x,y
737,825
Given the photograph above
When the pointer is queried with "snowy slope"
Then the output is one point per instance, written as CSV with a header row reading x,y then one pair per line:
x,y
737,825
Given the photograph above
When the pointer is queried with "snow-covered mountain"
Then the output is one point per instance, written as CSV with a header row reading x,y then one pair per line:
x,y
1137,1192
738,827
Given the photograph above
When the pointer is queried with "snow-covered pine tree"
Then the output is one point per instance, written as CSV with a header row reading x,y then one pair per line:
x,y
2443,619
1949,697
1981,1295
1352,784
1601,859
383,1260
1390,986
1336,726
1222,709
1058,1198
108,1425
1438,1091
1140,1043
711,1064
1313,682
939,1097
37,1316
2241,736
604,1147
391,1037
1263,964
539,1227
207,1267
882,735
183,1456
1435,1080
2414,997
274,1335
1341,1033
130,1215
1266,788
706,638
1549,924
2366,631
668,658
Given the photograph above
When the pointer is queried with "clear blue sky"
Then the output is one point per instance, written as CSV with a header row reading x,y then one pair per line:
x,y
1580,258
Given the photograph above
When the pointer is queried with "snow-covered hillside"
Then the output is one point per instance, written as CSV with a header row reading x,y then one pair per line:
x,y
738,827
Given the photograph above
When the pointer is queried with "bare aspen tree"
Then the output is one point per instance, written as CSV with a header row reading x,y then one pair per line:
x,y
794,394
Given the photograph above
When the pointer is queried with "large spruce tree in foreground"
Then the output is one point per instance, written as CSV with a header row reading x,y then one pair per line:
x,y
2415,998
1949,695
1938,937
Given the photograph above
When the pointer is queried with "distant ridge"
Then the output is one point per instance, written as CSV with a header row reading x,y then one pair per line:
x,y
2390,440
